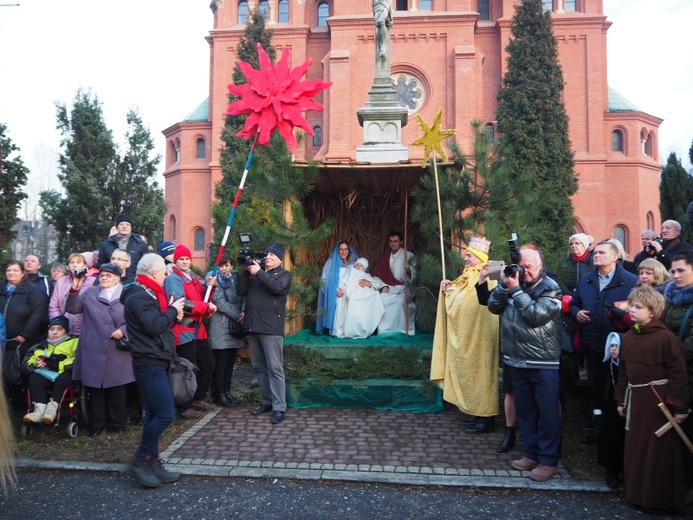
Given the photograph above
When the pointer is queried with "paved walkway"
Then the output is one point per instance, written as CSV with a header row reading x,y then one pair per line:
x,y
349,445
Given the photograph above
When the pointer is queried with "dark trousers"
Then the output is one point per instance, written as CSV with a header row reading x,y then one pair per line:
x,y
224,361
199,353
39,386
538,412
159,407
107,404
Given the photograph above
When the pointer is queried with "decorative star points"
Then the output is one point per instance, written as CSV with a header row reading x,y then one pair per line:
x,y
433,135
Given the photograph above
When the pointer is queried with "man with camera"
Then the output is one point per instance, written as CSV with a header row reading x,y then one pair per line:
x,y
266,290
190,333
530,303
648,251
670,244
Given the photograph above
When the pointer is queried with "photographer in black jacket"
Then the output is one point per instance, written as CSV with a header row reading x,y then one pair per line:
x,y
265,311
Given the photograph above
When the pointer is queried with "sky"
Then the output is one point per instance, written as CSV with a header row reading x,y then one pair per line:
x,y
152,55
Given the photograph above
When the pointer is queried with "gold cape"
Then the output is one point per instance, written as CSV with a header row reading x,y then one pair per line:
x,y
464,362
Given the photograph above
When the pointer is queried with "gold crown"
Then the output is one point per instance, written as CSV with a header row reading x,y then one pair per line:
x,y
480,244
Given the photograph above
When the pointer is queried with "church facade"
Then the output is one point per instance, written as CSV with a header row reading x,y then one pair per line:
x,y
446,54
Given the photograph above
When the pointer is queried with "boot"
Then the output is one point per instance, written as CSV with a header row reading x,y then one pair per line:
x,y
164,475
35,416
508,440
482,425
143,473
51,410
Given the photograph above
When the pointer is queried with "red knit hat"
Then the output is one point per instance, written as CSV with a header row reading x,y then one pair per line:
x,y
181,250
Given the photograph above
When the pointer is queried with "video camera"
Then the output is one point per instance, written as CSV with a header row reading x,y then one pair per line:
x,y
515,256
650,248
246,255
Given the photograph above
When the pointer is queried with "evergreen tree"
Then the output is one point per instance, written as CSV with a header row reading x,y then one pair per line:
x,y
98,184
674,187
13,177
271,206
534,125
135,191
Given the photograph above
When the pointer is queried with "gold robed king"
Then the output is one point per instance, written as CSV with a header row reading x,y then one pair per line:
x,y
464,362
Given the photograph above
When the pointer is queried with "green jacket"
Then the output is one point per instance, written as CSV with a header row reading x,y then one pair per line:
x,y
59,358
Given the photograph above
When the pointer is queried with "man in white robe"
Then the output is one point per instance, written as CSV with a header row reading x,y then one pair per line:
x,y
397,268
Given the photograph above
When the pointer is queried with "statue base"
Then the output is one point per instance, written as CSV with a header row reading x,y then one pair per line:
x,y
382,120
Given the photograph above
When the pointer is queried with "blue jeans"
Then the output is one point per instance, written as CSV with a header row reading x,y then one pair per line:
x,y
538,412
159,408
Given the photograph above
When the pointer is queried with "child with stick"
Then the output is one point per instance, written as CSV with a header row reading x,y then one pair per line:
x,y
652,371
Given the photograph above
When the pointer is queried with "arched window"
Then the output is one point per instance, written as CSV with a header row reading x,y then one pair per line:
x,y
617,141
482,8
490,131
317,137
323,13
172,154
263,9
425,5
242,12
172,225
176,147
200,152
621,234
649,145
283,11
649,219
199,240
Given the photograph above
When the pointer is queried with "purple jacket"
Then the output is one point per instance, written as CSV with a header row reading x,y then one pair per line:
x,y
98,362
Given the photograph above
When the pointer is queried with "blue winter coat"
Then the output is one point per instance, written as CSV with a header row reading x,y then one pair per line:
x,y
588,297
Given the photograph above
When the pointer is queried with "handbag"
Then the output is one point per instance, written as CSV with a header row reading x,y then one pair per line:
x,y
121,343
235,326
182,378
11,363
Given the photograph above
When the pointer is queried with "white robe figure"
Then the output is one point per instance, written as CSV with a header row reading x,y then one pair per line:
x,y
359,309
394,300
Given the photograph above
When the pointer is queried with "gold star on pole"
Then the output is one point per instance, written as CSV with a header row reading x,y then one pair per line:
x,y
432,137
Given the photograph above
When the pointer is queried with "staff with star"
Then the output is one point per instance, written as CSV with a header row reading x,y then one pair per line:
x,y
431,139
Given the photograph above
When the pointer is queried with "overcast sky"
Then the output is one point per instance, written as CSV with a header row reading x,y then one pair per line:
x,y
152,55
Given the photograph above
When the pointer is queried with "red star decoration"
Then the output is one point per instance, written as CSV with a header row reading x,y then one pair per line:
x,y
275,98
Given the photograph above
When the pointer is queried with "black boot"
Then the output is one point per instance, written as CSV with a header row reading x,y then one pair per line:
x,y
223,400
482,425
508,440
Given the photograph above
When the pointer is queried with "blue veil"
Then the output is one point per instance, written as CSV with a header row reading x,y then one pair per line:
x,y
327,296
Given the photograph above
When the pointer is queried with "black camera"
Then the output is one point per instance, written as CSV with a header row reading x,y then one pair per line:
x,y
80,273
188,305
246,257
650,248
515,256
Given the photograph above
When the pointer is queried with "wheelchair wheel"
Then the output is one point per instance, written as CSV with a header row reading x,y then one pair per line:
x,y
72,430
25,430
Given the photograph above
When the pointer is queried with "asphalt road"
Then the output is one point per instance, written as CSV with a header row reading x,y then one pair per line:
x,y
74,495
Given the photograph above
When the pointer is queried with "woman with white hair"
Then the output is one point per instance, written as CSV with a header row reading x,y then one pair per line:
x,y
578,263
359,307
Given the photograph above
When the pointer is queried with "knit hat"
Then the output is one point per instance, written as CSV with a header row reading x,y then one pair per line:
x,y
111,268
180,251
61,321
584,239
123,218
166,248
276,250
90,258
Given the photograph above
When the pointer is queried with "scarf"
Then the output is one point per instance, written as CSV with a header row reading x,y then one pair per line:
x,y
123,241
155,288
581,257
225,280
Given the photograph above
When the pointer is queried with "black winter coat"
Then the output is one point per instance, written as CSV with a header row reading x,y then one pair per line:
x,y
265,303
136,247
26,314
678,302
150,331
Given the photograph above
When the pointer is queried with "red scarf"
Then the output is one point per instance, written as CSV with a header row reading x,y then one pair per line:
x,y
581,257
155,288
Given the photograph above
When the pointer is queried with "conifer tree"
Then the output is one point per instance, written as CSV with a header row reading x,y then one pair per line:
x,y
13,178
271,205
674,187
534,126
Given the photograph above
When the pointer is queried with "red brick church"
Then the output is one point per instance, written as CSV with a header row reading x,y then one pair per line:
x,y
446,54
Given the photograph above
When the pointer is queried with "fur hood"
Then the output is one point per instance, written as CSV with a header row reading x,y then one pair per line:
x,y
682,297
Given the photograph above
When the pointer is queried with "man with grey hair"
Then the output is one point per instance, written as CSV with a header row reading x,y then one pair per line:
x,y
530,303
671,244
646,237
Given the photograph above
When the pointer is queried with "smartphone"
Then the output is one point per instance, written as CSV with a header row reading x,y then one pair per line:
x,y
495,268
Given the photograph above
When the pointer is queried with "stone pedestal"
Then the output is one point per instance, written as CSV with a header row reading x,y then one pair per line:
x,y
382,120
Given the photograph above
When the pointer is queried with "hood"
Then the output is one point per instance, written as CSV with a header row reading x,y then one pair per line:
x,y
128,289
613,337
682,297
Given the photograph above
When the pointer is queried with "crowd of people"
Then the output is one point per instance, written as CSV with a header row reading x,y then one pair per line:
x,y
629,322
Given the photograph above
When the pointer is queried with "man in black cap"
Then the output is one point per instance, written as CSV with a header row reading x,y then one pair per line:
x,y
265,311
126,240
